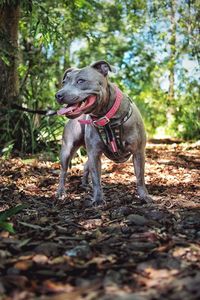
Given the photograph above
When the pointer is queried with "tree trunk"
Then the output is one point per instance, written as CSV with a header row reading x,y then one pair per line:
x,y
172,42
9,20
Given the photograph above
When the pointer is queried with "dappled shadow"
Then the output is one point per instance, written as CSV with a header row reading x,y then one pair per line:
x,y
176,159
121,248
167,141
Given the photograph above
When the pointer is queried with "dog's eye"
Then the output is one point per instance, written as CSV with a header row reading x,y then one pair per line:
x,y
79,81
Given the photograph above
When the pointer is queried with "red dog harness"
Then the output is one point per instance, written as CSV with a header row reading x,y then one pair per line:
x,y
109,132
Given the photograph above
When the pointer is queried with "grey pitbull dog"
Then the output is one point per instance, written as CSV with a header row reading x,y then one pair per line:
x,y
87,96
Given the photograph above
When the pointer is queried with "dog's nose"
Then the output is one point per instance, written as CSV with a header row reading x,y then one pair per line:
x,y
59,97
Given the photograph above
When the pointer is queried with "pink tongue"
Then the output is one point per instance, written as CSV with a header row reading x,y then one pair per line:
x,y
66,110
76,109
91,100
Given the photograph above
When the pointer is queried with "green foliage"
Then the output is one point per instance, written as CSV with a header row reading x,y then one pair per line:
x,y
8,2
187,114
31,133
6,214
7,150
135,36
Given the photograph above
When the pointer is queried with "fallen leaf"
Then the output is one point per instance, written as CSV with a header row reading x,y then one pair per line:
x,y
23,265
40,259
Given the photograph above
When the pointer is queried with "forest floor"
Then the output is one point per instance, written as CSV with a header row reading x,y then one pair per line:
x,y
123,250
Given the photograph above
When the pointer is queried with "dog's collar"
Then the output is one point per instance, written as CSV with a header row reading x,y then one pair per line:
x,y
109,115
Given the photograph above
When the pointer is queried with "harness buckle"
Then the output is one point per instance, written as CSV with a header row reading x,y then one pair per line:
x,y
101,121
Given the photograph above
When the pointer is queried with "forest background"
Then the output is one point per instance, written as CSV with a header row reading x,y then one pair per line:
x,y
154,46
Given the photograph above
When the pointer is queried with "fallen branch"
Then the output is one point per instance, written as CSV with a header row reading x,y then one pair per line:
x,y
47,112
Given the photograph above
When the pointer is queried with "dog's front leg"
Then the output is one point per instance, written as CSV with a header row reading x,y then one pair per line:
x,y
94,162
72,140
139,162
67,151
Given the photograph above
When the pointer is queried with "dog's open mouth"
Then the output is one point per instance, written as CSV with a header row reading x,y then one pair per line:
x,y
73,110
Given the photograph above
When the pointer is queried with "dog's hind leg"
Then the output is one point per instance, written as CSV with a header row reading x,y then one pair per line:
x,y
86,172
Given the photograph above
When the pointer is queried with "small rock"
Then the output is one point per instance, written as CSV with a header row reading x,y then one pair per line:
x,y
48,249
156,215
82,251
142,246
120,212
134,219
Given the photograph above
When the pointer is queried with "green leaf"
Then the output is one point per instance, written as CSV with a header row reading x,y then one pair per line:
x,y
7,226
11,212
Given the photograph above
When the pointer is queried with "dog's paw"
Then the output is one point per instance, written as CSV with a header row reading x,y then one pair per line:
x,y
98,202
91,202
61,194
144,195
147,199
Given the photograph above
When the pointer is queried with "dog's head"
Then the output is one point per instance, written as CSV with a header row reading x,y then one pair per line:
x,y
83,89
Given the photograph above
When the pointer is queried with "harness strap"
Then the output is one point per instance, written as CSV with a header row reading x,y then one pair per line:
x,y
109,133
111,136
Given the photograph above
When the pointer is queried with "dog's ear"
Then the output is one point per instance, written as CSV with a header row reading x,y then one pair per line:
x,y
103,67
67,72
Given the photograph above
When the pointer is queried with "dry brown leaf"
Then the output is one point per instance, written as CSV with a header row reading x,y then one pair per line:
x,y
23,265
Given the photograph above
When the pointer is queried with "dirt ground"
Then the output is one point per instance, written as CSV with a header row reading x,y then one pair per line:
x,y
124,250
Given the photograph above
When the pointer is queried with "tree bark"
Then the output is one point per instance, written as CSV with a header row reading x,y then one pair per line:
x,y
9,21
172,42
